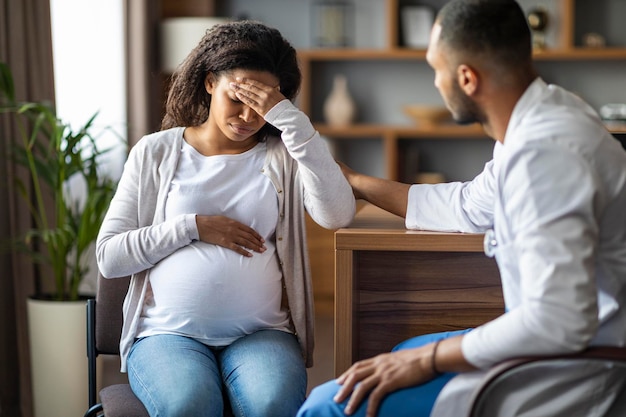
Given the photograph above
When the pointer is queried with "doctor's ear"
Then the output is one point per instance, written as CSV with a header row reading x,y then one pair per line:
x,y
468,79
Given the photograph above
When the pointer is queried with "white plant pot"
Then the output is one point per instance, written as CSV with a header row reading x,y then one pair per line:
x,y
58,335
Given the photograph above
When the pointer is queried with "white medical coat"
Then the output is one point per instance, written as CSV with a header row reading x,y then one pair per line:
x,y
555,196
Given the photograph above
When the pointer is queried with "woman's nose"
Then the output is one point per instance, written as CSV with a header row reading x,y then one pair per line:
x,y
247,114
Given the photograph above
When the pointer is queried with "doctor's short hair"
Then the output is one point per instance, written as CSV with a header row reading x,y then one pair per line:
x,y
237,45
496,30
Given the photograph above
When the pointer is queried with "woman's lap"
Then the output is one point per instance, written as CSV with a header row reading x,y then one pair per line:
x,y
174,375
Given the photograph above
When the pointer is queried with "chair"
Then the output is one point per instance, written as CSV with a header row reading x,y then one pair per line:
x,y
503,382
104,327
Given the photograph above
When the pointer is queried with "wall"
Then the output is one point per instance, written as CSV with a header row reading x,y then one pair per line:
x,y
294,19
381,88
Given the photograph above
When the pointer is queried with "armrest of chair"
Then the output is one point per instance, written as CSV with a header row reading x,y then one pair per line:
x,y
610,353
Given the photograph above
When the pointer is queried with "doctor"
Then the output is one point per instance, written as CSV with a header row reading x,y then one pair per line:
x,y
552,202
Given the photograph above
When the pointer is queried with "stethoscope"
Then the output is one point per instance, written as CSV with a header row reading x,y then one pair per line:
x,y
490,243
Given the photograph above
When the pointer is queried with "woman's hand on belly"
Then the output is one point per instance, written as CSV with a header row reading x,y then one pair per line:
x,y
231,234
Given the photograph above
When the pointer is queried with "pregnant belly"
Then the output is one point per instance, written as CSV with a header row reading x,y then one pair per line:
x,y
211,292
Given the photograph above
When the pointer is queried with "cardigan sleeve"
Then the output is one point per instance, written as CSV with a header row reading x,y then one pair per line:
x,y
328,197
126,245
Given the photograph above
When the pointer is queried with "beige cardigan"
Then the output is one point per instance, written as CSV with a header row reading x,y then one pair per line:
x,y
135,235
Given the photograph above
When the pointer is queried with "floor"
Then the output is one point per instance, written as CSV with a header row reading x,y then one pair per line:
x,y
323,357
321,372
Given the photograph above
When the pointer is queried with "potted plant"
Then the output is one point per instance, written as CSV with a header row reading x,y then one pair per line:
x,y
64,228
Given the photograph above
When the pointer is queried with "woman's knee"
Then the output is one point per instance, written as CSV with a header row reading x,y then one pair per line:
x,y
192,407
265,374
173,400
175,376
275,406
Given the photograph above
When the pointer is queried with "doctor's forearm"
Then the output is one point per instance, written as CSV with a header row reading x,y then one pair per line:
x,y
388,195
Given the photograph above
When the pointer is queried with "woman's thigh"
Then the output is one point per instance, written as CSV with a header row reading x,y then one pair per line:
x,y
175,376
264,374
414,401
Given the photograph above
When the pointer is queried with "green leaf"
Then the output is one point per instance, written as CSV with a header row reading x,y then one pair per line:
x,y
53,152
6,83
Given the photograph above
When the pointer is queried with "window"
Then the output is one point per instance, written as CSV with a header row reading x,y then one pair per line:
x,y
88,56
89,77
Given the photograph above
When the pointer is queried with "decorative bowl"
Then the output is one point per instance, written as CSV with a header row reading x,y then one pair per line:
x,y
427,115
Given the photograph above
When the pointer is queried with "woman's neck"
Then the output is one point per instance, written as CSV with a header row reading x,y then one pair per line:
x,y
210,142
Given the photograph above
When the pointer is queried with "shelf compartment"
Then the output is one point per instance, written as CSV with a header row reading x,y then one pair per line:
x,y
352,54
442,131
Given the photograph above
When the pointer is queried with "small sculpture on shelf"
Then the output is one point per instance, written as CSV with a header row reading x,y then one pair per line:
x,y
593,40
417,22
332,23
538,21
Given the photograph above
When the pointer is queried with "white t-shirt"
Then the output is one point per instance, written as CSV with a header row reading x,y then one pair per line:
x,y
206,291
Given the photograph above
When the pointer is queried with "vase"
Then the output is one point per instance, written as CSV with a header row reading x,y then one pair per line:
x,y
416,23
339,108
58,338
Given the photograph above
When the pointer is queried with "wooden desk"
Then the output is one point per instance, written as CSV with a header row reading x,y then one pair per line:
x,y
392,284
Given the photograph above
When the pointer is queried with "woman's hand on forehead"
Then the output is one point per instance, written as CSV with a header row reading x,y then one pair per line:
x,y
259,96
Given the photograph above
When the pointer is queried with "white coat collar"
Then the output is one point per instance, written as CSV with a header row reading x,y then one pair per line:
x,y
524,105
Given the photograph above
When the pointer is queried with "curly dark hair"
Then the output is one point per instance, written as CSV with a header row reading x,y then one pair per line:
x,y
225,47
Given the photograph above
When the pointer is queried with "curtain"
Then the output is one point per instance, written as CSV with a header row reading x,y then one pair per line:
x,y
145,84
26,46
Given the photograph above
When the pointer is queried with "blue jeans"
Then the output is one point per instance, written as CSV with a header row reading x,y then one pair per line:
x,y
262,374
415,401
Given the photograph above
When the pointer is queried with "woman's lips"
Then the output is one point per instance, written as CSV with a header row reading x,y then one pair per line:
x,y
242,130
